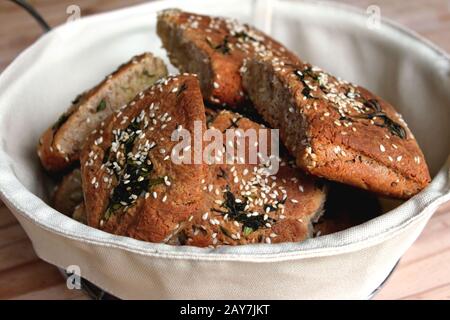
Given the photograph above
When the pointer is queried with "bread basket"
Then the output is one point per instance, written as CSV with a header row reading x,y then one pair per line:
x,y
393,62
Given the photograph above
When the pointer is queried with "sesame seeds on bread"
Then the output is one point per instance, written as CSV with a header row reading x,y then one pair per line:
x,y
242,205
59,146
214,48
335,129
131,186
122,130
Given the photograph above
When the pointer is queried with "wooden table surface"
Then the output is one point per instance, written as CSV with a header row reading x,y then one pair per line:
x,y
424,271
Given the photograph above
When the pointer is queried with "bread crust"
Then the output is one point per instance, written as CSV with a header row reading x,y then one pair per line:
x,y
175,212
132,150
60,144
214,48
335,129
243,206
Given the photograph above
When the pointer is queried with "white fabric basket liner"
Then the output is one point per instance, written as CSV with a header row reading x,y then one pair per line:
x,y
393,62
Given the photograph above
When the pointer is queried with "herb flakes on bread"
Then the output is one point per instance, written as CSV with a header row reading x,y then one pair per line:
x,y
59,146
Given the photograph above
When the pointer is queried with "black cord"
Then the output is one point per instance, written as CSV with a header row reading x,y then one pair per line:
x,y
29,8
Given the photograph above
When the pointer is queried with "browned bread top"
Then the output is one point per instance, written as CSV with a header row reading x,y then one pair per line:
x,y
60,144
335,129
242,205
214,48
131,186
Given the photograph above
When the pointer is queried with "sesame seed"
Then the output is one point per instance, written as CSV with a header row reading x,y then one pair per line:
x,y
205,216
399,158
382,148
216,85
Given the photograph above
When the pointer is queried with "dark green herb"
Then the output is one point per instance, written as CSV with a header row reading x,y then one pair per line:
x,y
302,76
345,118
61,120
373,105
381,119
244,36
106,155
247,231
395,128
236,211
222,174
223,47
101,106
307,92
77,98
148,74
373,109
234,123
134,180
182,89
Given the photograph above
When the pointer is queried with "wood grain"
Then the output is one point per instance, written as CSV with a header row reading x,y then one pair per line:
x,y
424,271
